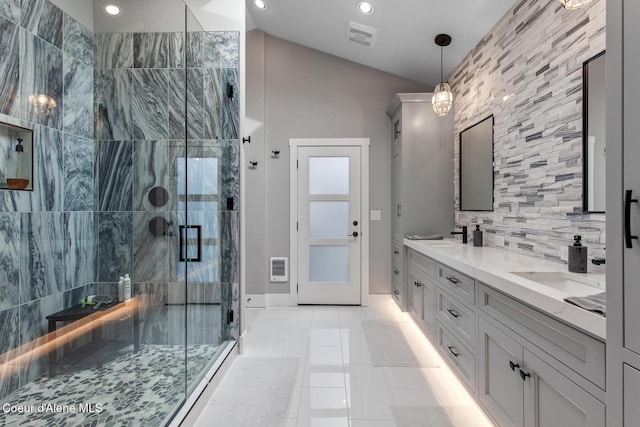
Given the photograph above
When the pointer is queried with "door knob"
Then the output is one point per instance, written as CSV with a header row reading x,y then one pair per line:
x,y
355,234
355,222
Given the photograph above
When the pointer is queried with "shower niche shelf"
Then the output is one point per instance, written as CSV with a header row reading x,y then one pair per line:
x,y
16,157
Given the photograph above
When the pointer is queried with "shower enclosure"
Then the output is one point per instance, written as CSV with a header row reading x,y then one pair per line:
x,y
135,171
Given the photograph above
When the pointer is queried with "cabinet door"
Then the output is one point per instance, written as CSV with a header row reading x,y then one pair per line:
x,y
396,192
415,294
500,389
552,400
429,304
631,393
632,175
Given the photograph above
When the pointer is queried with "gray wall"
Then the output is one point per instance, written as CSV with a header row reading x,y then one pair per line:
x,y
527,72
309,94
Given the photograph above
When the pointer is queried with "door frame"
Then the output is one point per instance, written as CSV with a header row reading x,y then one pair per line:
x,y
364,144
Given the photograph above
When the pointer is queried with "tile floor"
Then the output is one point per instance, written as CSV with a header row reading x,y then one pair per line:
x,y
337,384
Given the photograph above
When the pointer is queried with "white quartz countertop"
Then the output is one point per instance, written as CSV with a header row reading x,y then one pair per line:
x,y
495,268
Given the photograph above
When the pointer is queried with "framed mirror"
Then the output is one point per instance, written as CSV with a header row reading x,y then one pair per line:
x,y
594,145
476,167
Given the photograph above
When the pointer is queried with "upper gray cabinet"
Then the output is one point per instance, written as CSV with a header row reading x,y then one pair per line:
x,y
594,145
476,167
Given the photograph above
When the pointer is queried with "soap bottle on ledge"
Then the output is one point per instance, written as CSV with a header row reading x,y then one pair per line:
x,y
577,256
121,289
477,236
127,287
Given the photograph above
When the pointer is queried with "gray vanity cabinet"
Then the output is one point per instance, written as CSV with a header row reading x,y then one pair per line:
x,y
519,388
421,175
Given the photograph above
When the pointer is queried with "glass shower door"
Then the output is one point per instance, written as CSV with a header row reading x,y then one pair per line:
x,y
208,195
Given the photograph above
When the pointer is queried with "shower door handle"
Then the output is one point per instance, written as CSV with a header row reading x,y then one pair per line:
x,y
184,236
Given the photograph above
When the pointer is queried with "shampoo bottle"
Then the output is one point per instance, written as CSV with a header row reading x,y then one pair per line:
x,y
121,289
577,256
477,236
127,287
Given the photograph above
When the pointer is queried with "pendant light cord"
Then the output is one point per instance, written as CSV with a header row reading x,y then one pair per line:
x,y
441,49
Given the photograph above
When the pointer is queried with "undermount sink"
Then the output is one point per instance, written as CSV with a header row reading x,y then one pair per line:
x,y
441,244
571,284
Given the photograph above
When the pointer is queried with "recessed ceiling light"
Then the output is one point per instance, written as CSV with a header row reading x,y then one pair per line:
x,y
260,4
112,9
365,8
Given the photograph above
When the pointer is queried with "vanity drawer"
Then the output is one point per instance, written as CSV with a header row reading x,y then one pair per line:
x,y
457,283
577,350
461,359
421,263
457,316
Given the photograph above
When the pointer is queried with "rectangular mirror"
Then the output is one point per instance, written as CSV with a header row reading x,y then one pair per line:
x,y
476,167
594,145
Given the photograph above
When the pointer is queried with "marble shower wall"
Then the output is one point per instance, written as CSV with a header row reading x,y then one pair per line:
x,y
527,72
140,128
47,237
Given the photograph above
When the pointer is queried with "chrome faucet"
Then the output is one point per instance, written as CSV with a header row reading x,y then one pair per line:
x,y
463,232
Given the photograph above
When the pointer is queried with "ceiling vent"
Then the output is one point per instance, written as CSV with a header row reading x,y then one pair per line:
x,y
361,34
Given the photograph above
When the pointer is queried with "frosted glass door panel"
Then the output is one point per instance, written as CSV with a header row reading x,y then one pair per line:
x,y
328,220
329,264
328,175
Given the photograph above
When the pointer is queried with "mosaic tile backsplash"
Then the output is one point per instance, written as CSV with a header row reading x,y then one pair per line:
x,y
527,72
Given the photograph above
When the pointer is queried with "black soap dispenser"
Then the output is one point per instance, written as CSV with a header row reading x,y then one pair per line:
x,y
477,236
577,256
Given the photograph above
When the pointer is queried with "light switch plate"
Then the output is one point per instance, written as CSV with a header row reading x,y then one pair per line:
x,y
376,215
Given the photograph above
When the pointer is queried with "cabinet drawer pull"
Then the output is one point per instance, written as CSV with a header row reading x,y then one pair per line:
x,y
395,251
524,375
453,352
418,284
453,313
452,279
513,366
397,292
396,271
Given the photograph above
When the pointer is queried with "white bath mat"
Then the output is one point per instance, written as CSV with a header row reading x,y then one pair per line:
x,y
255,392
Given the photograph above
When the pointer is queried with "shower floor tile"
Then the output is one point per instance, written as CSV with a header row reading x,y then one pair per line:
x,y
131,389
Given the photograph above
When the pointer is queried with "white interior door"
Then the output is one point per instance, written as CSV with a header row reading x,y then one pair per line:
x,y
329,225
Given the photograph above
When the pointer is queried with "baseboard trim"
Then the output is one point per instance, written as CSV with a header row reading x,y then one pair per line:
x,y
278,300
266,300
255,300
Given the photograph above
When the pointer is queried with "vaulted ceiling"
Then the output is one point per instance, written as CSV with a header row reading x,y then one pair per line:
x,y
406,29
